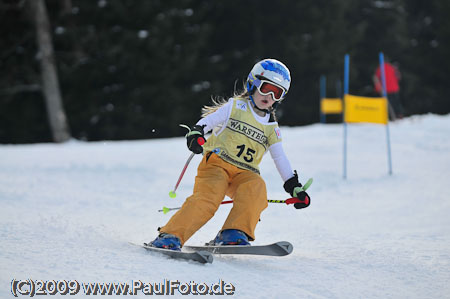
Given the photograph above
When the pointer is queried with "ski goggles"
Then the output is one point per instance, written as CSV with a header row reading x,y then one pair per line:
x,y
266,87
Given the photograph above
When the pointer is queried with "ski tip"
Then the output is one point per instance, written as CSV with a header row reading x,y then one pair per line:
x,y
207,257
286,247
202,257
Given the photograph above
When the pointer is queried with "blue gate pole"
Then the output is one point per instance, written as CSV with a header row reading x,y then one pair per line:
x,y
346,88
323,94
339,95
388,139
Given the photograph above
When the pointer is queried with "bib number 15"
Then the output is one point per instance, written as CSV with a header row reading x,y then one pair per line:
x,y
248,154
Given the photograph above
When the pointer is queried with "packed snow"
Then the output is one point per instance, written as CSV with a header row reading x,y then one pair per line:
x,y
69,212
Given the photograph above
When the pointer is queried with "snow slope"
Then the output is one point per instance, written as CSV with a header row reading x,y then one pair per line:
x,y
68,212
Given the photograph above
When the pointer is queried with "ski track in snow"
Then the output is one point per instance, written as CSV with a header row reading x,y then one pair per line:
x,y
69,210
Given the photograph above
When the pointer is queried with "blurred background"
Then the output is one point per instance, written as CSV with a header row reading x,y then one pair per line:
x,y
126,69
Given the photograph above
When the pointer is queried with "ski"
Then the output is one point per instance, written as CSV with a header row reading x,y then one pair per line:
x,y
281,248
200,256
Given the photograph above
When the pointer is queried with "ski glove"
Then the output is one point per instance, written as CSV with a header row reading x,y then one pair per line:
x,y
195,139
293,187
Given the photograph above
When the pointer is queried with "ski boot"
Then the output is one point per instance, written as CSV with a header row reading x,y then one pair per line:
x,y
166,241
231,237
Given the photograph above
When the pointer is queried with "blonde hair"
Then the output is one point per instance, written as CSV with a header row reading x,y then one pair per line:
x,y
220,101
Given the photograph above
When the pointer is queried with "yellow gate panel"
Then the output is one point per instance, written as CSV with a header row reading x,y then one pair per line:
x,y
331,106
364,109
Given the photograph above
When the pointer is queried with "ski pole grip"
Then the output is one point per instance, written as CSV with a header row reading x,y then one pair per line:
x,y
306,201
201,140
294,200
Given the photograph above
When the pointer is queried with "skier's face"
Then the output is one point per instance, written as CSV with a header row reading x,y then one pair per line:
x,y
263,101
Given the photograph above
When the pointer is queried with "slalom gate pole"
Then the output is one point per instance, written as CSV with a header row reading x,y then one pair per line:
x,y
388,138
323,94
346,88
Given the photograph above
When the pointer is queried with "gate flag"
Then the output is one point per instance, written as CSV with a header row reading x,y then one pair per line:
x,y
364,109
331,106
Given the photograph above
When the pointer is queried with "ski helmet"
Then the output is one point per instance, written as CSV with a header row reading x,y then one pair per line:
x,y
272,70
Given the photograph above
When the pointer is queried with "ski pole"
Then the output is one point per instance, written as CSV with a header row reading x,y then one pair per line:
x,y
288,201
166,210
200,141
172,193
293,200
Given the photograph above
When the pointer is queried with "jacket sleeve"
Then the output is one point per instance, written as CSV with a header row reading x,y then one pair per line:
x,y
281,161
220,116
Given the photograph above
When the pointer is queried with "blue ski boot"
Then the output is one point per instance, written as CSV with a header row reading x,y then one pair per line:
x,y
166,241
231,237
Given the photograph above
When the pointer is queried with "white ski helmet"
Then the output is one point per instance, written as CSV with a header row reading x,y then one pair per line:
x,y
271,70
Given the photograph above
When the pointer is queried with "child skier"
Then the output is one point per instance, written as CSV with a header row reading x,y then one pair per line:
x,y
244,129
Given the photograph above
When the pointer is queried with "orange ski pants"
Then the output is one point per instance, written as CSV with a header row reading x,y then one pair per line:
x,y
215,179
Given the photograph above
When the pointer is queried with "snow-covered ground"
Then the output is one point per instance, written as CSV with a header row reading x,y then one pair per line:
x,y
68,212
